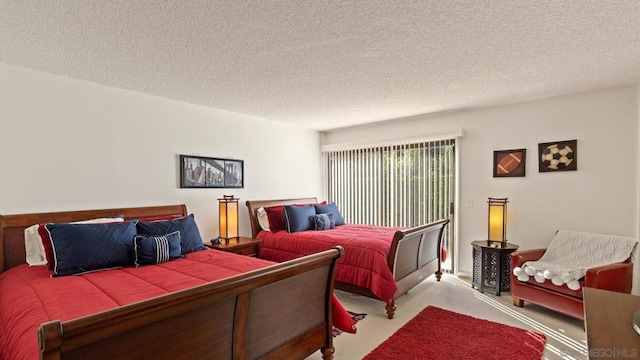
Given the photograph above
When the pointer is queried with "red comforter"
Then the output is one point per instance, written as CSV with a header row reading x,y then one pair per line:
x,y
366,249
29,297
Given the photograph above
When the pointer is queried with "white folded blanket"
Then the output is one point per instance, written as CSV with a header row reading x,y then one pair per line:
x,y
571,253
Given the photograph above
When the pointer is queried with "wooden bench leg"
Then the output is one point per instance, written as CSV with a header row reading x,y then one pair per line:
x,y
391,309
438,275
518,302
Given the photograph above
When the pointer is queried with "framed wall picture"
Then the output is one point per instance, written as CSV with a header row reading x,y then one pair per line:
x,y
233,173
509,163
558,156
206,172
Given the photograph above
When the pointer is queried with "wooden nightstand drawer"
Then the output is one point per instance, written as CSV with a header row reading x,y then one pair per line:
x,y
242,246
249,250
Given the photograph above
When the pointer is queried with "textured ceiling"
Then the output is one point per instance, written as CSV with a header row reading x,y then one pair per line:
x,y
328,64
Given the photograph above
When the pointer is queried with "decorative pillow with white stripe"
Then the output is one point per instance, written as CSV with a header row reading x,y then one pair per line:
x,y
324,221
156,249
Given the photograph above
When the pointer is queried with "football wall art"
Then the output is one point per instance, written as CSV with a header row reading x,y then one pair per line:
x,y
509,163
558,156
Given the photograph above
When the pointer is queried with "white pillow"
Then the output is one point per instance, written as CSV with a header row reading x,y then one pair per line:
x,y
33,241
263,219
33,246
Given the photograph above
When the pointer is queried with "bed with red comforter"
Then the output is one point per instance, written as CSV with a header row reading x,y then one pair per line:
x,y
364,263
30,297
379,262
162,304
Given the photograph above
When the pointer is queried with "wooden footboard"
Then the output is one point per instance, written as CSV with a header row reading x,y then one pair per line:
x,y
282,311
414,254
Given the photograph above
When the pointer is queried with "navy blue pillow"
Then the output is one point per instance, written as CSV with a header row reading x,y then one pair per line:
x,y
190,239
79,248
324,221
151,250
299,218
331,208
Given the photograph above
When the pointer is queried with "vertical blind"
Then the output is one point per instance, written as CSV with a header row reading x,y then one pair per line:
x,y
398,185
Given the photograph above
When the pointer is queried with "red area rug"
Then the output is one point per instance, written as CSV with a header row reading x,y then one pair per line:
x,y
441,334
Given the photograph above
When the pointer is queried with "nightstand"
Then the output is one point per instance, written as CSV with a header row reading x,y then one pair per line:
x,y
243,246
492,266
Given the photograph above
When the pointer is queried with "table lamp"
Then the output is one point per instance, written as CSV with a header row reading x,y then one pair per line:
x,y
228,218
497,220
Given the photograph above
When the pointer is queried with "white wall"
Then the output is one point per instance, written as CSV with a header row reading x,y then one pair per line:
x,y
601,196
72,145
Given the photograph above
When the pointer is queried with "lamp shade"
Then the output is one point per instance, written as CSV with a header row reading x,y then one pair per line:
x,y
497,219
228,217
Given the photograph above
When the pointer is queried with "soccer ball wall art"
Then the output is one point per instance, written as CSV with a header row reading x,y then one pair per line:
x,y
558,156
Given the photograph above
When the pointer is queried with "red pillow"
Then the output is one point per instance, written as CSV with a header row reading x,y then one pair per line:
x,y
275,214
46,242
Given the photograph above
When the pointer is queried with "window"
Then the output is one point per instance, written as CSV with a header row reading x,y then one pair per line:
x,y
398,185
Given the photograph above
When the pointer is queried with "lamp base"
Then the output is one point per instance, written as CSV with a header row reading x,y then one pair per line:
x,y
496,244
220,240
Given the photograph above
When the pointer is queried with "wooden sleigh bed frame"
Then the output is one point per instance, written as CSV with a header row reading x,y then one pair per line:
x,y
223,319
414,254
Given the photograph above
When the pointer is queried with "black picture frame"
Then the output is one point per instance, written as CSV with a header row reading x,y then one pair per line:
x,y
558,156
509,163
208,172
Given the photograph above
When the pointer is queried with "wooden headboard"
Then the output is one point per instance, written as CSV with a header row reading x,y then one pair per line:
x,y
12,250
253,205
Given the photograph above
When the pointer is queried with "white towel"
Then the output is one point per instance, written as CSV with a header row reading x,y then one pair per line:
x,y
571,253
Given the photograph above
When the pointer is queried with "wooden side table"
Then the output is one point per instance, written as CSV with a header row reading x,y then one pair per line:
x,y
243,246
492,266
